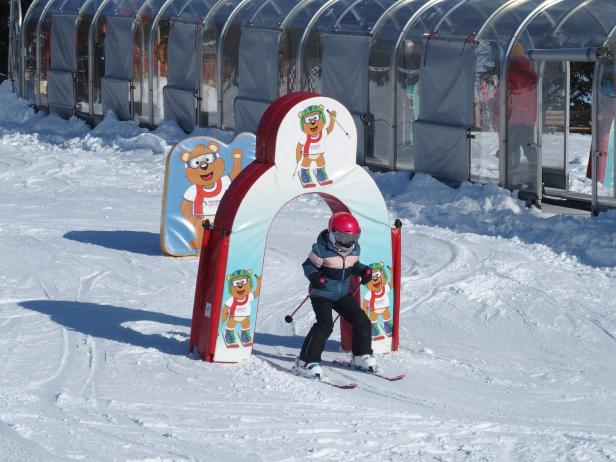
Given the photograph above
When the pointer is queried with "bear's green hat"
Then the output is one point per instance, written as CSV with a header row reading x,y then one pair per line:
x,y
238,275
311,110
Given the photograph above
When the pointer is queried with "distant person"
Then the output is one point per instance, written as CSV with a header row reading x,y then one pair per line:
x,y
522,117
99,58
411,78
160,51
607,109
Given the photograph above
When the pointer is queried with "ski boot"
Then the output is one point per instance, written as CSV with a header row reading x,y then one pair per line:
x,y
245,337
322,177
306,178
388,327
376,332
231,339
309,370
366,363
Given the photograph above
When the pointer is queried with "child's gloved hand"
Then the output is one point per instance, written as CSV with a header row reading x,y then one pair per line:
x,y
366,276
317,280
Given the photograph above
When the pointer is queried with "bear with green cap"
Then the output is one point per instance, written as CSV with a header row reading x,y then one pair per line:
x,y
310,147
238,307
376,302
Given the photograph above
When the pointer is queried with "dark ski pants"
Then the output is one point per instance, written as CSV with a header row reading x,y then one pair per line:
x,y
349,310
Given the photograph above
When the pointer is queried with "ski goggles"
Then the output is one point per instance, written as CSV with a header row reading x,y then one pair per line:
x,y
203,160
312,118
240,282
346,239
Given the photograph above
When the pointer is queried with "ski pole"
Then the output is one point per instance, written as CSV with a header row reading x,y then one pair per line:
x,y
289,317
338,123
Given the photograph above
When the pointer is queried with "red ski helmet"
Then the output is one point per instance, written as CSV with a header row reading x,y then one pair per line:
x,y
344,228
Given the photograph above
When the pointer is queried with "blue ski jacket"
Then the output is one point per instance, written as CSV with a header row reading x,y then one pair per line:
x,y
336,267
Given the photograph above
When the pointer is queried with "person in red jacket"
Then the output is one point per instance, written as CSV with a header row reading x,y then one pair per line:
x,y
522,116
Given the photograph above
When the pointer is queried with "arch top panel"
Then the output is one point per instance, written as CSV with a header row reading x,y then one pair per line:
x,y
310,144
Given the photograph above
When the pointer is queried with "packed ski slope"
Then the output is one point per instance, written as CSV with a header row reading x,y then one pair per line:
x,y
508,321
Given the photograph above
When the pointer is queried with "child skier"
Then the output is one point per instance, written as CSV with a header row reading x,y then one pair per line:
x,y
329,266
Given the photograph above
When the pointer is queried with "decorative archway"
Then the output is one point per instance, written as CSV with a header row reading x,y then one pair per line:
x,y
321,133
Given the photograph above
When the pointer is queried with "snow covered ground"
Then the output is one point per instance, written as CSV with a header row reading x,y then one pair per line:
x,y
508,321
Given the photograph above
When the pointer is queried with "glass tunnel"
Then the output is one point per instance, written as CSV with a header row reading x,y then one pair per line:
x,y
476,90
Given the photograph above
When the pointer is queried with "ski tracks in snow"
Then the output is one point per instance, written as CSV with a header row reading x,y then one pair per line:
x,y
94,332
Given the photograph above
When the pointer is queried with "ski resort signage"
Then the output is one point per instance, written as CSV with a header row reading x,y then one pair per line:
x,y
305,144
199,171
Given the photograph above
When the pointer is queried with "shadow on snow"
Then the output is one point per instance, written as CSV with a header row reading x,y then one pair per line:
x,y
108,322
140,242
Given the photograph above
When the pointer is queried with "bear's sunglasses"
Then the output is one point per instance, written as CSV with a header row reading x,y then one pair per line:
x,y
240,282
203,160
312,118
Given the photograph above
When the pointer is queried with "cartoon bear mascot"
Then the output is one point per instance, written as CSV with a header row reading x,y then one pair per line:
x,y
376,301
205,169
311,145
238,307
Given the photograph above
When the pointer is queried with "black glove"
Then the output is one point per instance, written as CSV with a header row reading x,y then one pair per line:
x,y
317,280
366,276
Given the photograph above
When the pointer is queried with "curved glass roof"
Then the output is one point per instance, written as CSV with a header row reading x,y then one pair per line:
x,y
467,17
188,11
360,16
504,23
34,12
300,16
588,25
72,6
131,8
563,23
391,23
272,13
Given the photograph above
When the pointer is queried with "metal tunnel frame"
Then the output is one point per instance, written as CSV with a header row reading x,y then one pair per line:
x,y
15,25
415,20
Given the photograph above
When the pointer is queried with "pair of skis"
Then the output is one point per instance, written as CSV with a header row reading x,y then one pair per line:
x,y
340,363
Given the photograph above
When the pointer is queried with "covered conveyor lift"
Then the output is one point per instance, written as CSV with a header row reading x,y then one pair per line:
x,y
262,30
175,62
433,85
333,58
120,33
561,32
64,26
31,53
383,74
